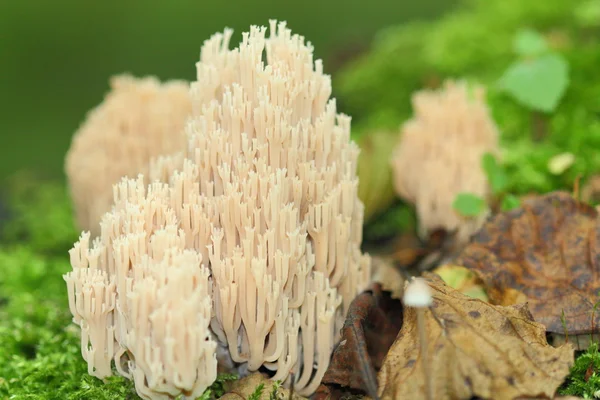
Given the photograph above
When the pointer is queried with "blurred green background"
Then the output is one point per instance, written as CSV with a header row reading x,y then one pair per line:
x,y
56,56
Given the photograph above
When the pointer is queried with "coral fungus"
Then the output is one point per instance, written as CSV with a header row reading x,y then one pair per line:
x,y
264,198
451,131
139,119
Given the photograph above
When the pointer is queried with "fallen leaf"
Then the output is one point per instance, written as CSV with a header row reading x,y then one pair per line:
x,y
547,252
244,388
474,350
373,322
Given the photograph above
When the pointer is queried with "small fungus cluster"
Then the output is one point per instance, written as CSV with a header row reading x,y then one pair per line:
x,y
450,132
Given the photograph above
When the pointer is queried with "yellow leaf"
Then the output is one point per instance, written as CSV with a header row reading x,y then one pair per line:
x,y
474,349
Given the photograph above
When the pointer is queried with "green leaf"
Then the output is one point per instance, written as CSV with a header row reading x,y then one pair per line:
x,y
539,83
529,43
495,173
510,202
469,205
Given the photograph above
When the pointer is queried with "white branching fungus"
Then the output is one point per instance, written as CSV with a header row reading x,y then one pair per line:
x,y
167,329
92,302
439,155
266,194
139,119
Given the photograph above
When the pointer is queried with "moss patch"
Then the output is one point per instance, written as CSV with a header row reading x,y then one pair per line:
x,y
584,380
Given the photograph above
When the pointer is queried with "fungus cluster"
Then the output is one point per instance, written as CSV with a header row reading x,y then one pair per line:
x,y
139,119
450,132
250,240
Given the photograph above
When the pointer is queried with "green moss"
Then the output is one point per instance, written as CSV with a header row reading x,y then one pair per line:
x,y
477,43
39,348
474,42
218,387
588,363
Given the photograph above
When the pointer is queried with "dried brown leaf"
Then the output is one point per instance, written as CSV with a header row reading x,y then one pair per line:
x,y
371,326
474,350
547,252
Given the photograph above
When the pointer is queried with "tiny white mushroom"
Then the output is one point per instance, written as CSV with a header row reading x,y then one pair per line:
x,y
418,295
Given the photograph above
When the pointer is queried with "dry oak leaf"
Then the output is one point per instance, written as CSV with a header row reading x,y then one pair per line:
x,y
475,349
372,324
243,388
547,252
